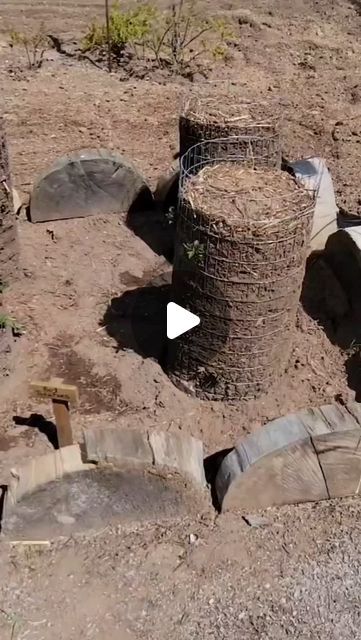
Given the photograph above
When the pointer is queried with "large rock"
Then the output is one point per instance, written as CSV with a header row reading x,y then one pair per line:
x,y
87,182
313,174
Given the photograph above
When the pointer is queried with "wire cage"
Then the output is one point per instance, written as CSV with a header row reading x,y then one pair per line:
x,y
4,155
240,255
208,115
9,248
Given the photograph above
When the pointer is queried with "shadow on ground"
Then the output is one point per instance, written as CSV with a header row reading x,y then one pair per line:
x,y
137,320
212,465
3,492
152,226
37,421
325,301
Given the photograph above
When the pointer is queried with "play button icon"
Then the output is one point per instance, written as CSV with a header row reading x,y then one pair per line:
x,y
179,320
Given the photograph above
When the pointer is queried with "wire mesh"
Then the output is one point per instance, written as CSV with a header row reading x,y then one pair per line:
x,y
225,113
4,155
244,283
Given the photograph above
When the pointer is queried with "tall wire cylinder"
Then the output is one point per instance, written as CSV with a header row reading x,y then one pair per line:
x,y
241,247
9,247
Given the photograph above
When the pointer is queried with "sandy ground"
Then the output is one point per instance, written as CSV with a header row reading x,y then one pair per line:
x,y
297,577
150,581
72,270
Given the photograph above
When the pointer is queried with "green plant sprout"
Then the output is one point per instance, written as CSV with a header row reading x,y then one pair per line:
x,y
7,322
194,251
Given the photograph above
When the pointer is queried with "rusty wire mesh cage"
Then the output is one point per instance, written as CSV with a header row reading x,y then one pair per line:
x,y
208,115
9,247
241,246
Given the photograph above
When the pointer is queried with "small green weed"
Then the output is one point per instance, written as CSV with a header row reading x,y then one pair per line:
x,y
129,27
173,40
194,251
7,322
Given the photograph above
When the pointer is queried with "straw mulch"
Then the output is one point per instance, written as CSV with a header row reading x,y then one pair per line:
x,y
247,199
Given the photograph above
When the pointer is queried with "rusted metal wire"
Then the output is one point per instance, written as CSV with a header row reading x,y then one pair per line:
x,y
223,114
245,273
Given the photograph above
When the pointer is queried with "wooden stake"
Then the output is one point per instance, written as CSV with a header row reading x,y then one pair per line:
x,y
108,35
60,394
62,421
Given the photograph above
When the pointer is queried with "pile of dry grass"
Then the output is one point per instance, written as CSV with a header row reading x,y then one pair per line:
x,y
243,198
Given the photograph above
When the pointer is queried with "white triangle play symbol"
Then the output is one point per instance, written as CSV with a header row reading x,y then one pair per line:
x,y
179,320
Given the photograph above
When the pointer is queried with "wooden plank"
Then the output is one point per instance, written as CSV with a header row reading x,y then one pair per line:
x,y
55,391
62,420
339,455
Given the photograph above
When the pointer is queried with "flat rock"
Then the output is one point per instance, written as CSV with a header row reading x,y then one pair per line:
x,y
168,451
313,174
125,446
92,499
88,182
181,453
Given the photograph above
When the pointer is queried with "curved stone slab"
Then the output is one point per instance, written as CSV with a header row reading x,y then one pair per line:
x,y
95,498
152,474
172,451
311,455
88,182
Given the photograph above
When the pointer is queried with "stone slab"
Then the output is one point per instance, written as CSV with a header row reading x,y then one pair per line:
x,y
287,476
117,446
172,451
182,453
95,498
87,182
43,469
339,454
279,463
313,174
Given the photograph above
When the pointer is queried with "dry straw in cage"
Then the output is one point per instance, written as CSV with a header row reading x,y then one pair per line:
x,y
208,116
241,248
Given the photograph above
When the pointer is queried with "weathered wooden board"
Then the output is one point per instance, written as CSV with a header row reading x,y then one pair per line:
x,y
55,391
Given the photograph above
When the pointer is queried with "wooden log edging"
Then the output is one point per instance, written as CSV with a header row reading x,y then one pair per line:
x,y
311,455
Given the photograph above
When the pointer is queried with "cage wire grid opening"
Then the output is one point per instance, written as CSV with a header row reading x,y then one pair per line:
x,y
242,276
225,113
